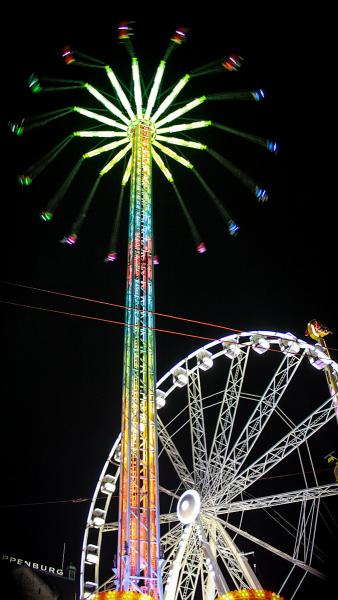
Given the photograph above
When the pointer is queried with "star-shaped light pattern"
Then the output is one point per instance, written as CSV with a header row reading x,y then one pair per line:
x,y
121,116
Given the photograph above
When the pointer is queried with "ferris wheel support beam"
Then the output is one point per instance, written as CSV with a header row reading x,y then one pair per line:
x,y
306,531
261,415
276,551
258,420
282,448
227,415
191,568
170,588
174,455
237,565
197,428
210,584
322,491
209,550
169,542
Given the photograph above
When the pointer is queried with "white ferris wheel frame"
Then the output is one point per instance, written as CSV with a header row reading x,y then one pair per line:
x,y
194,553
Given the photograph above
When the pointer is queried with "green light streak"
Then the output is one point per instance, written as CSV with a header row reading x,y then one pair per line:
x,y
83,212
137,87
50,113
180,142
105,148
161,165
193,229
105,134
61,88
213,197
168,100
234,170
241,95
116,227
105,120
41,164
181,111
32,123
173,155
55,200
118,89
155,88
109,105
248,136
184,127
115,160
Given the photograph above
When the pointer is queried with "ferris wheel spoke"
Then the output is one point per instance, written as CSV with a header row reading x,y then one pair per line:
x,y
290,442
171,450
191,568
170,540
304,543
236,565
260,416
276,551
197,429
226,417
303,495
174,545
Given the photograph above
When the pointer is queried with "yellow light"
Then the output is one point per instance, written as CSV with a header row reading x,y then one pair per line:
x,y
127,172
181,111
162,166
154,89
173,155
115,159
184,127
168,100
101,118
98,134
105,148
250,594
116,111
117,87
181,142
137,87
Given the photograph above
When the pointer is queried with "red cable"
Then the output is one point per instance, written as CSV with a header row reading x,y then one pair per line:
x,y
119,306
70,314
124,307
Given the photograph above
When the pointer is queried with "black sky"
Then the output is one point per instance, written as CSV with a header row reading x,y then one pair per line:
x,y
62,376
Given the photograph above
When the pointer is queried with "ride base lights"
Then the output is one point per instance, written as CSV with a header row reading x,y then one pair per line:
x,y
250,594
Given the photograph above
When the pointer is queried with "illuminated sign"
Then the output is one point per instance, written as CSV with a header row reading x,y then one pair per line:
x,y
33,565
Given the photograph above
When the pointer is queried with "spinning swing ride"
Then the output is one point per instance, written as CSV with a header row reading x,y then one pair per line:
x,y
192,558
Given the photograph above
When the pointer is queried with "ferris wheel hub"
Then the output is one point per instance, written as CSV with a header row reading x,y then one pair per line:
x,y
188,506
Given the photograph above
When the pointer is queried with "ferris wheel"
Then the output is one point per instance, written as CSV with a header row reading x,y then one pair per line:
x,y
241,491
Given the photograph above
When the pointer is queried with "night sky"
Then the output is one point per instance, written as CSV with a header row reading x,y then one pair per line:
x,y
62,377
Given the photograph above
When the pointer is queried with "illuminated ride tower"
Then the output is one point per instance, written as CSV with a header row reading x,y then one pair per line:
x,y
138,540
138,569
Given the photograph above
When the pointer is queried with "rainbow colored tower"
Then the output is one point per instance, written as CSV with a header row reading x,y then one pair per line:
x,y
138,545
